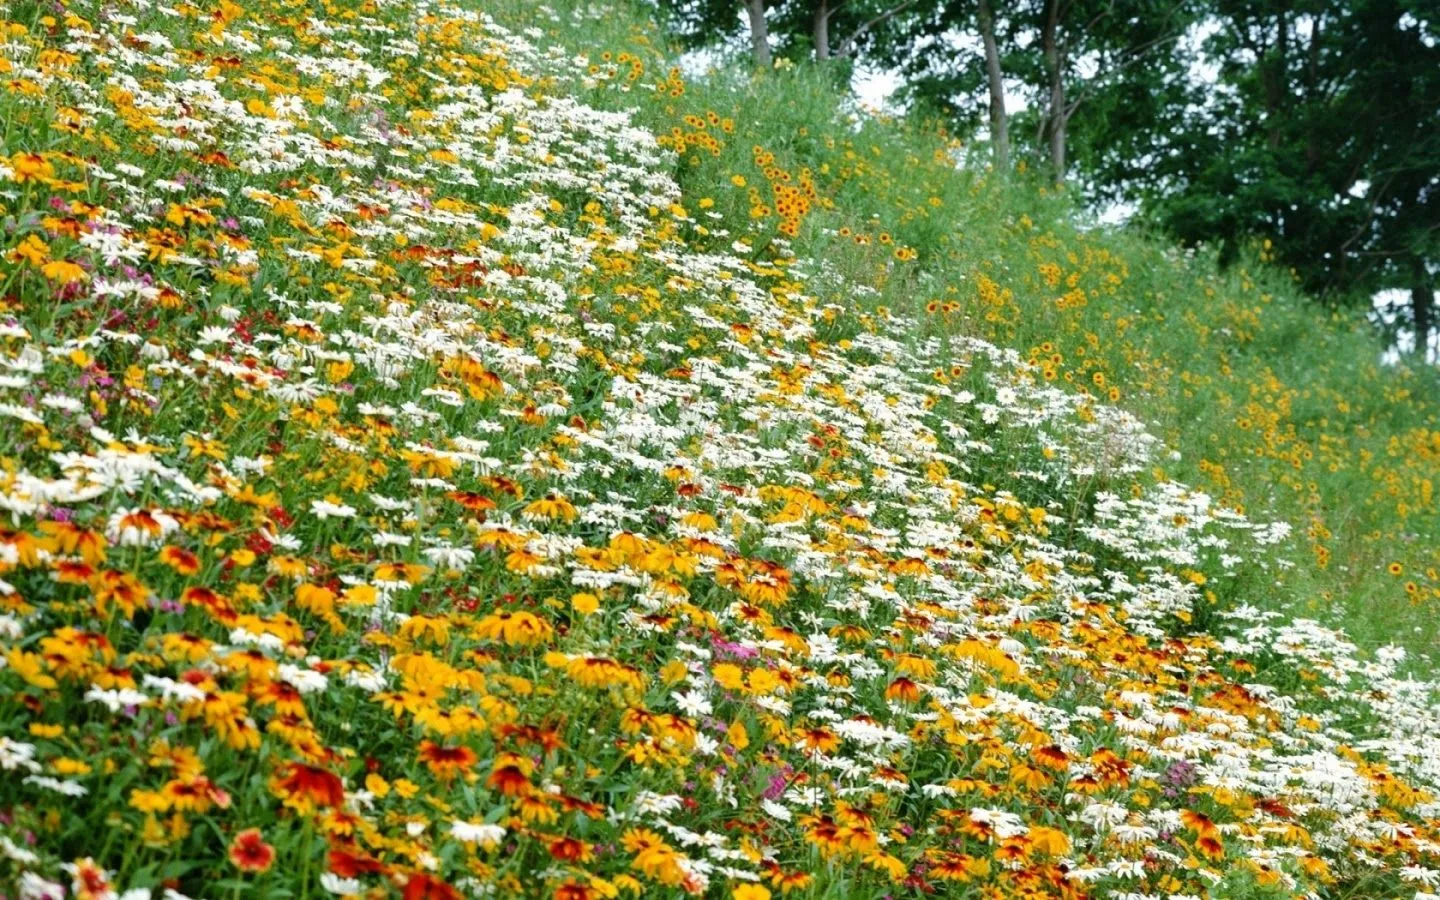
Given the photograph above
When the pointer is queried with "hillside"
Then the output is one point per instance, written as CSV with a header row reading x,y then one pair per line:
x,y
449,453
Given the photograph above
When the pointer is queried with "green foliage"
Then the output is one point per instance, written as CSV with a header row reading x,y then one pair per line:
x,y
1318,134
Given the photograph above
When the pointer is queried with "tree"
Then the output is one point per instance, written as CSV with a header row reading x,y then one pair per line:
x,y
1317,134
855,19
1089,53
707,23
995,81
1099,54
952,56
759,32
830,29
1399,243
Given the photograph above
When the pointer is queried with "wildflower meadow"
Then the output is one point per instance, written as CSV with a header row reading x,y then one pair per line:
x,y
446,451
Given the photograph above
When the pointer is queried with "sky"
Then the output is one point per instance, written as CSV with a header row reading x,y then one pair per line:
x,y
874,87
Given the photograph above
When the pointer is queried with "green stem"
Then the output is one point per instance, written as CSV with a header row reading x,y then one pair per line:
x,y
305,866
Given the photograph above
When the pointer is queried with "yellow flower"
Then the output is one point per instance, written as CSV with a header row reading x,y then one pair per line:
x,y
63,271
551,506
410,573
655,858
750,892
729,676
32,250
585,604
517,629
1050,841
377,785
888,864
30,167
737,736
603,672
65,766
149,801
673,672
521,561
30,667
288,566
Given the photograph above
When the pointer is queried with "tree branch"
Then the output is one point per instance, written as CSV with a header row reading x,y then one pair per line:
x,y
1131,58
847,45
1375,197
1098,16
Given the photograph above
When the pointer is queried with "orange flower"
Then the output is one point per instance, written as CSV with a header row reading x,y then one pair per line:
x,y
68,538
311,785
789,881
472,501
64,271
30,167
569,849
534,806
71,572
1201,824
1052,756
352,863
1210,847
119,589
904,690
603,672
955,867
194,795
547,739
571,889
551,506
1109,768
821,740
180,559
1013,850
770,586
90,880
282,695
446,762
250,853
427,887
510,775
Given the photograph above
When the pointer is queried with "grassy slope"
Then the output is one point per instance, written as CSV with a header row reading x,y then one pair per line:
x,y
1278,407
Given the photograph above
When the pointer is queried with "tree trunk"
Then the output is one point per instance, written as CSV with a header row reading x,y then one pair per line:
x,y
1055,116
1275,80
999,121
821,29
1422,305
759,32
